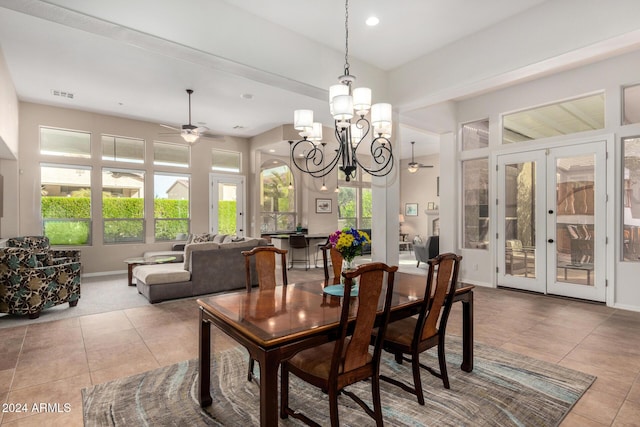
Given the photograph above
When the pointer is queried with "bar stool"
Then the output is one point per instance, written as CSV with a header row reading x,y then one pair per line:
x,y
298,242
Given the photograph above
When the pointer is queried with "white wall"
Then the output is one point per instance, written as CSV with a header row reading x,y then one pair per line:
x,y
609,75
8,151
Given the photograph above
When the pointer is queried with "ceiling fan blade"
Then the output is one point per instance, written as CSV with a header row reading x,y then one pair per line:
x,y
424,166
170,127
211,136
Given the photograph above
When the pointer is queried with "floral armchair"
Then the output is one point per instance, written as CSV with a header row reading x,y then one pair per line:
x,y
41,247
27,286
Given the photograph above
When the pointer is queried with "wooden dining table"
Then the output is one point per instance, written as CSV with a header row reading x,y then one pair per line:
x,y
275,324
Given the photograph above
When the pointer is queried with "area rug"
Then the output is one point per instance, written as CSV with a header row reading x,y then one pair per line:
x,y
504,389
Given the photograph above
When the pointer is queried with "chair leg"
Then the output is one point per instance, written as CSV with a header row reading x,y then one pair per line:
x,y
417,381
333,407
73,303
377,403
443,365
34,315
418,265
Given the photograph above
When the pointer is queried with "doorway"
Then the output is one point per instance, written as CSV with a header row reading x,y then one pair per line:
x,y
227,215
552,221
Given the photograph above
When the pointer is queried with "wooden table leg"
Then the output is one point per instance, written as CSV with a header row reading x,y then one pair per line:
x,y
130,273
204,379
269,389
467,333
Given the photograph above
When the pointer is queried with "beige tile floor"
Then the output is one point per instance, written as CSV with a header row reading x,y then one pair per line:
x,y
52,362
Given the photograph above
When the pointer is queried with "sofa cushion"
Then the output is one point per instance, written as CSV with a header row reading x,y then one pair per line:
x,y
203,246
156,274
219,238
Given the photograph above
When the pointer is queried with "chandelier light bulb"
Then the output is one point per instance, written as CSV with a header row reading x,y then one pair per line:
x,y
381,115
343,107
303,120
362,100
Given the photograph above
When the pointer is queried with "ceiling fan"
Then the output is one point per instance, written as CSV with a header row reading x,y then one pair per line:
x,y
413,165
189,132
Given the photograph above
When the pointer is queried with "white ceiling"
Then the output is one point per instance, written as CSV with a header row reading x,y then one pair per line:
x,y
136,58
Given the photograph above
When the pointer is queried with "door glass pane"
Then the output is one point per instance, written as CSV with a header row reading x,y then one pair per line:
x,y
575,219
519,225
227,208
475,185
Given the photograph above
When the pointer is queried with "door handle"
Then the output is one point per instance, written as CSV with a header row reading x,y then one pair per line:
x,y
550,211
550,240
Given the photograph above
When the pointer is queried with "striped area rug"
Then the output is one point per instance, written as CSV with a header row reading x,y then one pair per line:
x,y
504,389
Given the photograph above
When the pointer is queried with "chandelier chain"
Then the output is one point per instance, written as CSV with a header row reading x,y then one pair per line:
x,y
346,37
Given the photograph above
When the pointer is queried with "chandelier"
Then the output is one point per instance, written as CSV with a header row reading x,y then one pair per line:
x,y
350,129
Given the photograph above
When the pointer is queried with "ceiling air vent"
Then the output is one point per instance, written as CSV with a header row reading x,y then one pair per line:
x,y
62,93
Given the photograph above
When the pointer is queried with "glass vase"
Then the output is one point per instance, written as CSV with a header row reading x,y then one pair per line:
x,y
348,265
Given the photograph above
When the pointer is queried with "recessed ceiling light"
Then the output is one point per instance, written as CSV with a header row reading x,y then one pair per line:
x,y
271,150
372,21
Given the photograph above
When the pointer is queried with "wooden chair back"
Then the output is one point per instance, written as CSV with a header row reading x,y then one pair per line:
x,y
265,261
356,354
329,252
439,293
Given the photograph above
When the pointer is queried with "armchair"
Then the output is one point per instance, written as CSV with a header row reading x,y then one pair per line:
x,y
42,248
426,251
28,287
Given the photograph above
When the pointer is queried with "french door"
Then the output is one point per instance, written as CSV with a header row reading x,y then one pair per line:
x,y
227,215
552,220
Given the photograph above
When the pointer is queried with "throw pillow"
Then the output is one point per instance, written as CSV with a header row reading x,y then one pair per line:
x,y
199,238
238,239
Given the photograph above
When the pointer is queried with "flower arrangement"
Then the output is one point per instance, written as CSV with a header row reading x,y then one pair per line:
x,y
349,242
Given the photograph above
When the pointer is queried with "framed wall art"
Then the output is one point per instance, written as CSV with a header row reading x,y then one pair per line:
x,y
323,206
411,209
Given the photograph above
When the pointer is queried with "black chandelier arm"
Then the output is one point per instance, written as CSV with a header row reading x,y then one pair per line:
x,y
381,155
314,158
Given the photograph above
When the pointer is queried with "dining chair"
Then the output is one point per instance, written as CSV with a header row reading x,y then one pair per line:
x,y
413,336
334,365
329,253
265,265
318,247
298,242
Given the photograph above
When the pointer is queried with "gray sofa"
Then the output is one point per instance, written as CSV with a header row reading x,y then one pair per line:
x,y
208,267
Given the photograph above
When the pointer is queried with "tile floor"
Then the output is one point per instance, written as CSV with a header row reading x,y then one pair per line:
x,y
52,362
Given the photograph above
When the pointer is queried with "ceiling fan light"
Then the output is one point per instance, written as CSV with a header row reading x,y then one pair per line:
x,y
303,120
413,168
190,137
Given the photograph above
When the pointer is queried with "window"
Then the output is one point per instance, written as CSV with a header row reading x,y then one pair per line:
x,y
475,191
67,143
123,205
171,206
631,199
65,203
166,154
561,118
225,161
475,135
119,149
354,201
631,105
277,201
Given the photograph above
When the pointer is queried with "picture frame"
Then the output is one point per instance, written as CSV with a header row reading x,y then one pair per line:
x,y
431,206
411,209
323,206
